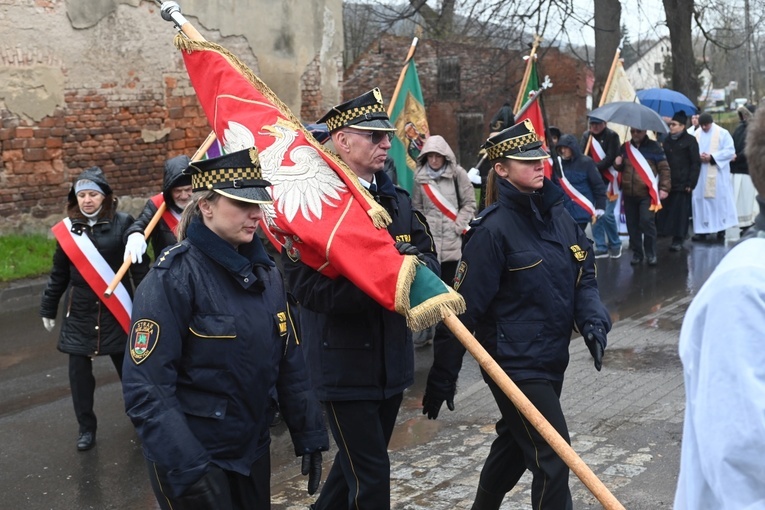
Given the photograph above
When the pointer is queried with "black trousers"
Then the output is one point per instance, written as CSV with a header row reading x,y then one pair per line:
x,y
232,491
641,225
519,447
83,386
360,475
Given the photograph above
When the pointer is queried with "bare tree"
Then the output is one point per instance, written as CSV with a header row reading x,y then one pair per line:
x,y
608,14
684,70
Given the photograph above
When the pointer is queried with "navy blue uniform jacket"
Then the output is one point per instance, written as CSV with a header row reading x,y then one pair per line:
x,y
356,349
221,354
527,275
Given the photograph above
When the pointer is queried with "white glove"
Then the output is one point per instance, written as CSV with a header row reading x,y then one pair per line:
x,y
474,175
49,324
599,213
135,247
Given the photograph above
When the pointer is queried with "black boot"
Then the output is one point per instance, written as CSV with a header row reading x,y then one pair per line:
x,y
486,500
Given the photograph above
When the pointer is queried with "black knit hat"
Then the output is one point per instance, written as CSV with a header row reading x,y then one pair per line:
x,y
680,117
236,175
364,112
519,141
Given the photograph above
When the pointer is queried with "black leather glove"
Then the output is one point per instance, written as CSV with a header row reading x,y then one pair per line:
x,y
595,338
431,405
312,467
405,248
207,491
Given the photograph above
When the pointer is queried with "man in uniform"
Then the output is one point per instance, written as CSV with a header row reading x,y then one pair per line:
x,y
360,355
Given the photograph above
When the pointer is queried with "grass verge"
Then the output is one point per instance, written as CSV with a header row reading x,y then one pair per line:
x,y
25,256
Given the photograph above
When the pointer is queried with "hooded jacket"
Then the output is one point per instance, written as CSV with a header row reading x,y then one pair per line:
x,y
88,327
582,173
454,184
162,236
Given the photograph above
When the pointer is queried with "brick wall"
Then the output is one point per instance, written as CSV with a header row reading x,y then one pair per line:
x,y
128,132
487,78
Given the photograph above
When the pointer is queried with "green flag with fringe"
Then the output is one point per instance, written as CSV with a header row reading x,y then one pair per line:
x,y
411,123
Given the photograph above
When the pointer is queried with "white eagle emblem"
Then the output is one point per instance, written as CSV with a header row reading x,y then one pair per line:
x,y
304,186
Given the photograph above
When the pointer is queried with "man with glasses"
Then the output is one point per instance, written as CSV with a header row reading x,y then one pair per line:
x,y
360,355
604,147
645,183
682,153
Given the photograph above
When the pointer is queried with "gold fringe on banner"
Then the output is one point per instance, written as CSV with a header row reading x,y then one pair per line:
x,y
380,217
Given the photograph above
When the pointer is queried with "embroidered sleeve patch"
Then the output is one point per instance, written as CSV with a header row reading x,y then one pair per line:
x,y
460,274
143,339
579,253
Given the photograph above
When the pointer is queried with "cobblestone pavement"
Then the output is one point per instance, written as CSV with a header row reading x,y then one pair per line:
x,y
625,423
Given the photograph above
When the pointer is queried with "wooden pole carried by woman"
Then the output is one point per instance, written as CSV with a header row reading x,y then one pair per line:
x,y
155,219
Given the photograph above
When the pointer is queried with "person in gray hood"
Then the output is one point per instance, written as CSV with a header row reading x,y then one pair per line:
x,y
176,195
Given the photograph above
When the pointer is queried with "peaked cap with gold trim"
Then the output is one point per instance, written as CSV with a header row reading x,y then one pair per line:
x,y
364,112
236,175
519,141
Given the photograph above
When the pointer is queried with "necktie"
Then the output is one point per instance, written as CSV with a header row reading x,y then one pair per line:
x,y
373,189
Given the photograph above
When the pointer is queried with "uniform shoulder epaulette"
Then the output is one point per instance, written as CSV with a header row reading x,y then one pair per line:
x,y
486,212
165,259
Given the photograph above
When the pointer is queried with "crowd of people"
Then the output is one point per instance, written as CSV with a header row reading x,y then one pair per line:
x,y
217,337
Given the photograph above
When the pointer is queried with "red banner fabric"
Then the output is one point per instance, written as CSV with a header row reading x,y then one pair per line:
x,y
321,212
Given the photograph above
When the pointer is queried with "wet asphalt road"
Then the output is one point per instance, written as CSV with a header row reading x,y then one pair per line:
x,y
40,467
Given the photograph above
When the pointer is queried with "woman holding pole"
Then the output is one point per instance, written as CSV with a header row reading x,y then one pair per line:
x,y
527,274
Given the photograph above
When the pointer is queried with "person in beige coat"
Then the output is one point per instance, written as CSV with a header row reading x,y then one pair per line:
x,y
443,193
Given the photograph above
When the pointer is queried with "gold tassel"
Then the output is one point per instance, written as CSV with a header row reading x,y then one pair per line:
x,y
432,311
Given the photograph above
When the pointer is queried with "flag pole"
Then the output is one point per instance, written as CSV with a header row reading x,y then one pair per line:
x,y
154,220
607,86
540,423
519,101
402,75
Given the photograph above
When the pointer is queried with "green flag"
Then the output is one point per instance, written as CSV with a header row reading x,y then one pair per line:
x,y
532,82
411,123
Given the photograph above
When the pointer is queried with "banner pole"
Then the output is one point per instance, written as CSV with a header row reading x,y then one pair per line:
x,y
154,220
402,75
607,86
519,101
532,414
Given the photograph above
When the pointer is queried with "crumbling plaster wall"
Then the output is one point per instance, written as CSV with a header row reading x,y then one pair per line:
x,y
61,58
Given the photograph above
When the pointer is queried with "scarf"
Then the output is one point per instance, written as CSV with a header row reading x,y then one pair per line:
x,y
434,174
239,262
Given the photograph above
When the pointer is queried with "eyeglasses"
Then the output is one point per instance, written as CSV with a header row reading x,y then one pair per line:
x,y
673,124
376,137
637,130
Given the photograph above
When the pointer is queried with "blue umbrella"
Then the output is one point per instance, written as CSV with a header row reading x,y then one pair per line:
x,y
666,102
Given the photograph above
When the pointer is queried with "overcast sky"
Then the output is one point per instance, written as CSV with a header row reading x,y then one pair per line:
x,y
644,20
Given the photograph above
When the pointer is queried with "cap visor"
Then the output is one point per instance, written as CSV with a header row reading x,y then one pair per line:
x,y
530,155
374,125
254,195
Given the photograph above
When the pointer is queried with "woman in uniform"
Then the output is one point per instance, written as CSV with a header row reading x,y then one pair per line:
x,y
528,276
212,348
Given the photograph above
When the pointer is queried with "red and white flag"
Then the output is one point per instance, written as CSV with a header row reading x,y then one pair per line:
x,y
321,213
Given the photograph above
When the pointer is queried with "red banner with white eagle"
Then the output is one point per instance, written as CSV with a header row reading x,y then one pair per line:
x,y
320,213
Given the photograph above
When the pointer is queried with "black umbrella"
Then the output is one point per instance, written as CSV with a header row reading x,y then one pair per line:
x,y
630,114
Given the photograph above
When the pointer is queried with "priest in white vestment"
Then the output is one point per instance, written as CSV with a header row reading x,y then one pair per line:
x,y
714,208
722,347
